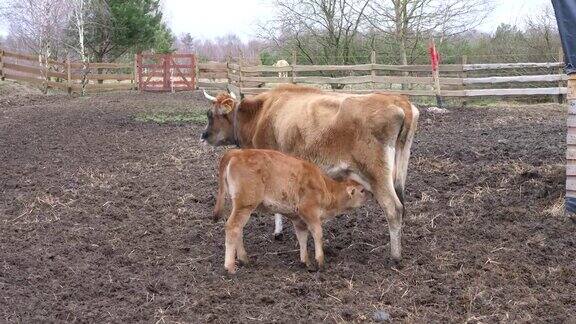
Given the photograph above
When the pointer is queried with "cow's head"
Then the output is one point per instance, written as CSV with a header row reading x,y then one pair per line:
x,y
220,128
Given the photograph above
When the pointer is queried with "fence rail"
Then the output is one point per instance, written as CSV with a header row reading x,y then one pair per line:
x,y
66,75
455,80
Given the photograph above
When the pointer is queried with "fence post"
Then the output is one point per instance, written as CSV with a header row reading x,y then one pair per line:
x,y
372,70
68,76
139,70
560,98
240,57
166,76
2,76
43,73
464,75
570,201
134,72
228,69
194,70
435,64
294,62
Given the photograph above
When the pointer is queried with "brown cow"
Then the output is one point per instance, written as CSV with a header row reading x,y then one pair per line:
x,y
281,184
368,135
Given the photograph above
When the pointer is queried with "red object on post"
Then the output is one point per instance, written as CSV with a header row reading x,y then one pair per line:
x,y
434,56
435,61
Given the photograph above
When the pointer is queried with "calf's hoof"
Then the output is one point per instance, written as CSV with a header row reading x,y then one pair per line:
x,y
306,264
278,236
311,268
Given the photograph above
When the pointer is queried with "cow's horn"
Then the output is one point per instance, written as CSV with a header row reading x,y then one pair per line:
x,y
209,97
233,95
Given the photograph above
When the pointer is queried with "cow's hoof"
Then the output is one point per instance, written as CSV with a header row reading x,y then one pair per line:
x,y
396,263
244,261
230,270
278,236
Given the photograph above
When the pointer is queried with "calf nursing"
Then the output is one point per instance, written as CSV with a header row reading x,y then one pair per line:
x,y
282,184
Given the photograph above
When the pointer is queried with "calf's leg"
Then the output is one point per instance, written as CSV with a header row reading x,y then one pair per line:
x,y
315,228
234,242
241,252
309,214
301,231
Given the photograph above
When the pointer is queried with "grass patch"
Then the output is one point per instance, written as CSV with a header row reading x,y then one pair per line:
x,y
161,117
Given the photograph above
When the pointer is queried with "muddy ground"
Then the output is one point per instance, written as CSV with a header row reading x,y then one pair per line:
x,y
105,217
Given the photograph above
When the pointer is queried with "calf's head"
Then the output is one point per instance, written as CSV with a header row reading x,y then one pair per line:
x,y
355,194
220,128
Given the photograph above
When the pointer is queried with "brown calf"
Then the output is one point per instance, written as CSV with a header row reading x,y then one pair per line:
x,y
282,184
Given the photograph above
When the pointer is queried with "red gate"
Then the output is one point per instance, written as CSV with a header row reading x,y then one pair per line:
x,y
166,72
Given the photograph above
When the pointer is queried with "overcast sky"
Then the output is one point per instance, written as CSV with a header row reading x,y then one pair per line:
x,y
214,18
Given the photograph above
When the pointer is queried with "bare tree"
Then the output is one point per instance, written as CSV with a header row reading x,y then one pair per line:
x,y
541,34
38,25
411,21
323,31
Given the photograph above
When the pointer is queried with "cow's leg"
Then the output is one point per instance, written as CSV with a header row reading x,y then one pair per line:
x,y
277,226
301,231
379,169
385,194
234,243
389,202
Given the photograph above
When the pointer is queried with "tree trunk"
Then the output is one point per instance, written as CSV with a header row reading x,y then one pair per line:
x,y
400,7
403,59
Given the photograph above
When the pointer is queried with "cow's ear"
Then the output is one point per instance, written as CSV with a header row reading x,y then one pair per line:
x,y
227,106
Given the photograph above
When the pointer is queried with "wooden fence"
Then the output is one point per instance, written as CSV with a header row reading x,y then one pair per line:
x,y
212,75
456,80
66,75
166,72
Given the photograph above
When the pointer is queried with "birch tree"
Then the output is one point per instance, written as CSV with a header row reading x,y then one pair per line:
x,y
38,25
78,23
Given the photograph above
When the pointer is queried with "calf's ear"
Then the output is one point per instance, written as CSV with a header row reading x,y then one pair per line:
x,y
351,191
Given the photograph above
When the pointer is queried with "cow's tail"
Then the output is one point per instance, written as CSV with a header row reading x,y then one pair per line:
x,y
403,145
222,186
